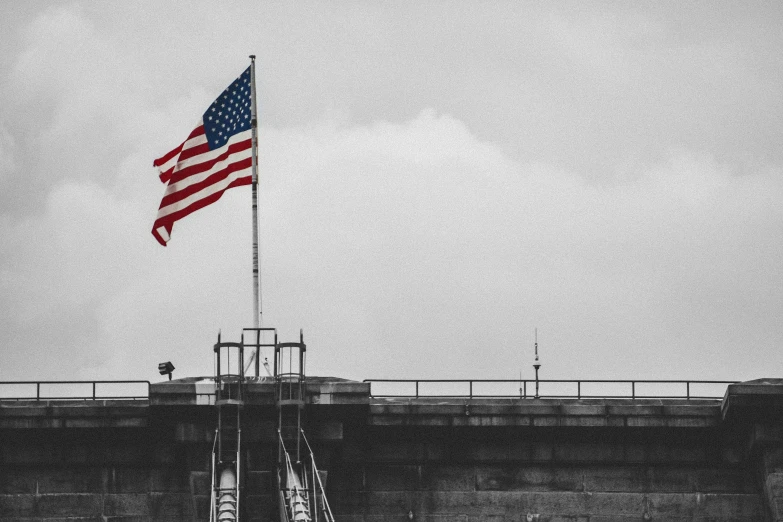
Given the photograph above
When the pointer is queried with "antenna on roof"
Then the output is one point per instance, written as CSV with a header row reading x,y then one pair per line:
x,y
536,362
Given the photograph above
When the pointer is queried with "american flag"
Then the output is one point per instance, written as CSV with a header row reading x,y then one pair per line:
x,y
216,156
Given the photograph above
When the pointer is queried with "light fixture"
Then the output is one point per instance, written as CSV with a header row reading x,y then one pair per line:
x,y
165,368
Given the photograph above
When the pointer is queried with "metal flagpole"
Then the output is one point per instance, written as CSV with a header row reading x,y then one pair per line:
x,y
254,129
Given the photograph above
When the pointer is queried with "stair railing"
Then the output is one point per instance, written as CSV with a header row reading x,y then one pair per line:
x,y
324,501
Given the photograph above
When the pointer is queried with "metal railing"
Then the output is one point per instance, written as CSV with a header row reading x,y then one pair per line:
x,y
547,388
407,388
73,390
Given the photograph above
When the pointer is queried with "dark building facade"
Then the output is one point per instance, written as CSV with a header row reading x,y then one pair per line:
x,y
457,459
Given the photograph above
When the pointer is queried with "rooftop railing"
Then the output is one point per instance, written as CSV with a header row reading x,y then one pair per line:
x,y
73,390
547,388
407,388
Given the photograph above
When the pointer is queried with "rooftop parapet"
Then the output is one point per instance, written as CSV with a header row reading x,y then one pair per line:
x,y
260,391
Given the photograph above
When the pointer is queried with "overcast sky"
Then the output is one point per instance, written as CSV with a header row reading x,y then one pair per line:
x,y
437,179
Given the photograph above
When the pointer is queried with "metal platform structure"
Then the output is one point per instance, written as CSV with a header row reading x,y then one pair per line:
x,y
300,490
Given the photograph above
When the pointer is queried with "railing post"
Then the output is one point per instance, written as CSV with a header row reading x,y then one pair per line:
x,y
688,390
633,389
417,389
524,387
578,389
93,390
38,391
471,389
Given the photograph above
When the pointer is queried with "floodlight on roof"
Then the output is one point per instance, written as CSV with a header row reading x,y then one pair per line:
x,y
166,368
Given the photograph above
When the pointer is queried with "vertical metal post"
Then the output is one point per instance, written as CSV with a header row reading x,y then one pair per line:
x,y
537,396
220,436
688,389
633,389
241,357
238,463
217,360
258,353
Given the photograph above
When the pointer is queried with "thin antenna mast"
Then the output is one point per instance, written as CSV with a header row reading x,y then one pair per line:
x,y
536,362
535,333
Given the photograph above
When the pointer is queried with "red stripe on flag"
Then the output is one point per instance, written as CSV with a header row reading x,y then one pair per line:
x,y
163,159
192,152
213,178
168,227
165,176
168,221
204,166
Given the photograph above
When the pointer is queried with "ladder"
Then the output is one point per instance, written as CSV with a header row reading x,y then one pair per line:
x,y
226,450
300,486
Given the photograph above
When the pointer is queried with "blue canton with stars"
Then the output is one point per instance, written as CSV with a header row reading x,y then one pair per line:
x,y
230,113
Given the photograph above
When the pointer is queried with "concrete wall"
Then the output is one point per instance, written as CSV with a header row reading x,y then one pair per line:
x,y
435,461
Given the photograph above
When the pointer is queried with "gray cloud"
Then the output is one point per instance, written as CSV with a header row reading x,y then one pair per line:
x,y
430,191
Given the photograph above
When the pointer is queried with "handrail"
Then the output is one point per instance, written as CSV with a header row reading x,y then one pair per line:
x,y
93,396
534,392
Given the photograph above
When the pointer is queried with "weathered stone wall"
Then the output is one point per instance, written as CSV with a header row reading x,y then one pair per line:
x,y
84,461
546,460
400,460
553,474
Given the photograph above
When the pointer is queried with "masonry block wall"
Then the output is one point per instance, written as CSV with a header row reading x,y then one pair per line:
x,y
478,460
76,469
544,474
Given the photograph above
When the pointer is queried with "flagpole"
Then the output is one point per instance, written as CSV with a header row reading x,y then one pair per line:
x,y
257,311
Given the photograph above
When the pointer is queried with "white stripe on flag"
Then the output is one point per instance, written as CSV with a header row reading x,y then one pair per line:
x,y
201,176
205,192
207,156
163,233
